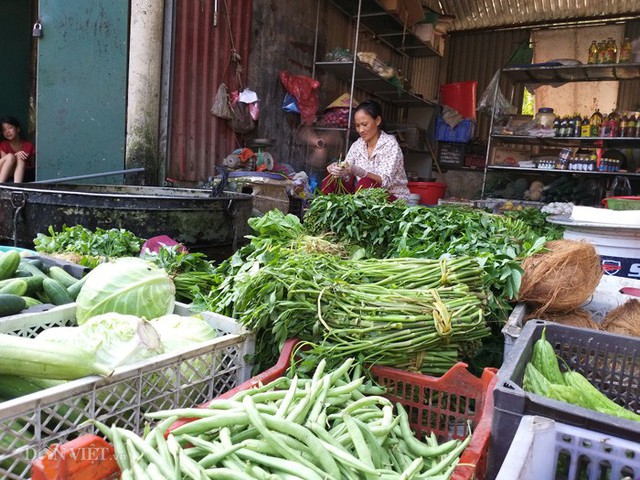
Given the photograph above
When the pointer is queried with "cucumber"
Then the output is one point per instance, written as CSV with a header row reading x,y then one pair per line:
x,y
56,292
34,284
16,286
27,266
9,262
11,304
60,274
74,289
30,301
39,264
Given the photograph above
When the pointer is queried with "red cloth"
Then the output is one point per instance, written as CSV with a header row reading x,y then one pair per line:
x,y
27,147
330,185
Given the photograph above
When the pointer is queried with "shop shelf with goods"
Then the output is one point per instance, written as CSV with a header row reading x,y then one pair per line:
x,y
514,150
393,28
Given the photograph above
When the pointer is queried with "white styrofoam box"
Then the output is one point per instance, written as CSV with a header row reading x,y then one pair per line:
x,y
607,295
29,424
543,447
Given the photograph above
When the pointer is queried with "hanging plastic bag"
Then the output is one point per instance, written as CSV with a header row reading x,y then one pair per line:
x,y
490,100
289,104
220,106
305,91
241,121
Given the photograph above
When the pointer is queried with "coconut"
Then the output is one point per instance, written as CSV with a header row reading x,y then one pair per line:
x,y
624,320
561,278
578,317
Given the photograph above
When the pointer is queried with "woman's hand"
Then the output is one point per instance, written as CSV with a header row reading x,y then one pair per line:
x,y
354,170
336,170
22,155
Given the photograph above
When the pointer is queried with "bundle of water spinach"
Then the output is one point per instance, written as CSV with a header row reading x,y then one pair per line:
x,y
335,425
543,376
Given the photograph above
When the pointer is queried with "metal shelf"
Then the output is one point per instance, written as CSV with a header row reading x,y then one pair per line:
x,y
374,84
553,74
593,142
386,27
543,171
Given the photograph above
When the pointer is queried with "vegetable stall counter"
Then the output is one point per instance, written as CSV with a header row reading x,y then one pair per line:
x,y
31,423
439,409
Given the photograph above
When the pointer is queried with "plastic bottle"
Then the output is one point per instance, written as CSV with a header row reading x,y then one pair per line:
x,y
596,121
556,126
577,125
614,124
630,131
625,51
585,130
593,52
602,52
611,51
624,124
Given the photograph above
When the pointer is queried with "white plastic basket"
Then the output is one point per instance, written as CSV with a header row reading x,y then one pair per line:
x,y
29,424
544,449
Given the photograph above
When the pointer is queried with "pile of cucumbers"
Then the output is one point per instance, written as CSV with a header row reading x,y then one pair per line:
x,y
27,282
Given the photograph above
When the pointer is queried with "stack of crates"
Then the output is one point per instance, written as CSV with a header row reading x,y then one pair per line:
x,y
610,362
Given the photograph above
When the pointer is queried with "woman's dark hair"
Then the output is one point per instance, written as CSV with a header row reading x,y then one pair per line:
x,y
373,109
12,121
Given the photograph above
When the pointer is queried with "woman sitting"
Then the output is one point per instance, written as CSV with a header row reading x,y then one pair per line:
x,y
374,160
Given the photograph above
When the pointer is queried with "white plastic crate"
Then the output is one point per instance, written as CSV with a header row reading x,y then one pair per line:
x,y
544,449
172,380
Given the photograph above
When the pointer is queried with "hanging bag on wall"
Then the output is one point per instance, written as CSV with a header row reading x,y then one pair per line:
x,y
220,106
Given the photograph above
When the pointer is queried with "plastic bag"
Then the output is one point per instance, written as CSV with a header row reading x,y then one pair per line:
x,y
502,107
305,91
241,121
220,106
289,104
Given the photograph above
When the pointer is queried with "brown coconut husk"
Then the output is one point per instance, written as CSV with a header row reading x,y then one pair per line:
x,y
624,320
578,317
562,278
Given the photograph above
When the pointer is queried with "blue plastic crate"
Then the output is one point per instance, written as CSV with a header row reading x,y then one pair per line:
x,y
461,133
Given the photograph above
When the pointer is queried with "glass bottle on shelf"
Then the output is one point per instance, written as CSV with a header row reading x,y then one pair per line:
x,y
630,131
611,55
585,129
624,123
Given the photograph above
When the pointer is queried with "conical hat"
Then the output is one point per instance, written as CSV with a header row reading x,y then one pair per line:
x,y
342,102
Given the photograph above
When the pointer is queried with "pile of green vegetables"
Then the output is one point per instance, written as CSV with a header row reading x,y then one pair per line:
x,y
87,247
334,425
543,376
406,312
367,278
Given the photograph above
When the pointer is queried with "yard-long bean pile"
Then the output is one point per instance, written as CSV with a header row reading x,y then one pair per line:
x,y
331,426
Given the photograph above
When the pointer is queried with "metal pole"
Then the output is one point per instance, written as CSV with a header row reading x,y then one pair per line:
x,y
92,175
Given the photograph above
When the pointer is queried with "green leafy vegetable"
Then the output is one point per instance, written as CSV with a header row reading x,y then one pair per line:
x,y
131,286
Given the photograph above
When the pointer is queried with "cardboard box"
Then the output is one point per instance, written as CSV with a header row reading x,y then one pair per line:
x,y
508,157
408,11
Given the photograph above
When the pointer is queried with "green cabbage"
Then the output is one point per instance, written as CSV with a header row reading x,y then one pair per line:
x,y
128,285
179,332
112,339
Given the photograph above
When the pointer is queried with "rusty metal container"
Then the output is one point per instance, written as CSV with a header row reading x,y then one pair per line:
x,y
214,225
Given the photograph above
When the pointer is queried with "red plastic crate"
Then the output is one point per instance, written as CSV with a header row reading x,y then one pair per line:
x,y
442,405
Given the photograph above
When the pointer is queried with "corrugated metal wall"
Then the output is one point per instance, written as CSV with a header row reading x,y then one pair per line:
x,y
203,44
491,14
477,56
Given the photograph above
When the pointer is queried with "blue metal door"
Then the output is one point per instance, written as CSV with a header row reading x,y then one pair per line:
x,y
81,88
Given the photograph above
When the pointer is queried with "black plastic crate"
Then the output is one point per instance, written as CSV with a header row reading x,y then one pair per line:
x,y
451,153
610,362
